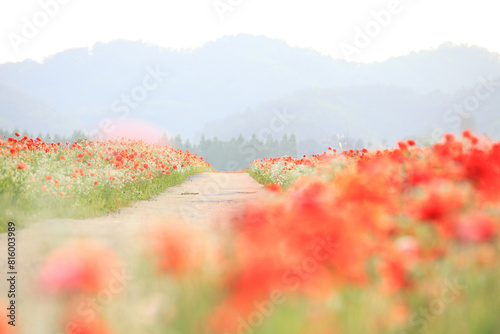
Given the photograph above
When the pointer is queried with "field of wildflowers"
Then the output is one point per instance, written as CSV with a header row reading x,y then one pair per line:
x,y
282,171
84,178
400,240
395,241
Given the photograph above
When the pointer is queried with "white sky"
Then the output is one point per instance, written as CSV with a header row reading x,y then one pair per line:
x,y
319,24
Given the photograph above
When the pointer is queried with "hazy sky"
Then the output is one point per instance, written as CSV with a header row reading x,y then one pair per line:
x,y
332,27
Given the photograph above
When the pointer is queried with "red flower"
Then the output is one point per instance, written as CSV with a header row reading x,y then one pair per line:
x,y
394,274
21,165
449,137
437,204
274,187
467,134
403,145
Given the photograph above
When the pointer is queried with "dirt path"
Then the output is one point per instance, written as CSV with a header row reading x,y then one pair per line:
x,y
203,199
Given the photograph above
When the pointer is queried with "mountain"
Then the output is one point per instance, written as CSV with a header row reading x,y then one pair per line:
x,y
232,74
372,113
448,68
23,111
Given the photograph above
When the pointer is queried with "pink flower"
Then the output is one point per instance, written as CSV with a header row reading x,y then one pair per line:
x,y
476,227
81,266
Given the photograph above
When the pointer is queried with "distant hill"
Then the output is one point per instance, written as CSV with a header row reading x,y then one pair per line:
x,y
22,111
232,74
369,113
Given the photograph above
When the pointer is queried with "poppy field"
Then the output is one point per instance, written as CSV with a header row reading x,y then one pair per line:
x,y
413,235
401,240
85,178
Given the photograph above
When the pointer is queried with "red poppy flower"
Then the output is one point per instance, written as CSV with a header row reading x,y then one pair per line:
x,y
274,187
411,142
21,165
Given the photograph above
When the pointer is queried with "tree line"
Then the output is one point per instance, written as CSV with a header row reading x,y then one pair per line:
x,y
235,154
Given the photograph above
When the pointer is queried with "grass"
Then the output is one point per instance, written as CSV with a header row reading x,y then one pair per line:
x,y
267,178
24,207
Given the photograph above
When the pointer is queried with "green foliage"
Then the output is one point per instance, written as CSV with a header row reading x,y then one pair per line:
x,y
20,206
237,153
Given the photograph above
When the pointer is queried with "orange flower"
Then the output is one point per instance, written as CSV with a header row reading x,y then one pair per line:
x,y
62,157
